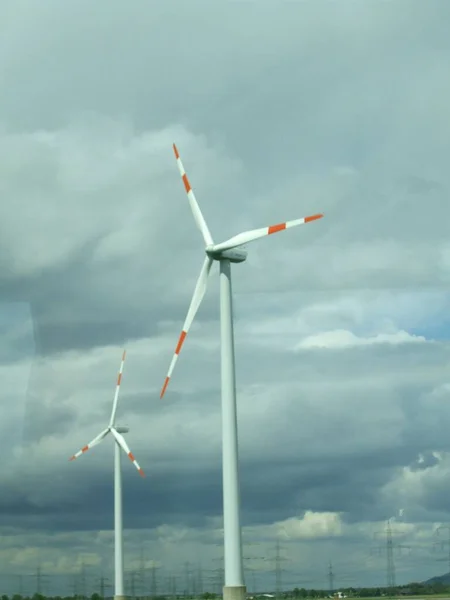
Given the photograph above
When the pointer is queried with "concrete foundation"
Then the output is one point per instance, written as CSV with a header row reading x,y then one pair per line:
x,y
235,592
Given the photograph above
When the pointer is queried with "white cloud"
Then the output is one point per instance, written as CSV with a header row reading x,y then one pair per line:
x,y
311,525
340,338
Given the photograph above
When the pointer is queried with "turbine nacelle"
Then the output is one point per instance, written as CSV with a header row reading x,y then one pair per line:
x,y
122,429
234,255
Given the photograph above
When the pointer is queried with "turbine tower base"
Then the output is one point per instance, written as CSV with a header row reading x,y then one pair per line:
x,y
120,598
234,592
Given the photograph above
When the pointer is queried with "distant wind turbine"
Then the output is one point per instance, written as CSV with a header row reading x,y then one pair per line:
x,y
116,432
227,252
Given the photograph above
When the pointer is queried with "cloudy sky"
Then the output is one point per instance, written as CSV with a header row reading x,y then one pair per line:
x,y
279,110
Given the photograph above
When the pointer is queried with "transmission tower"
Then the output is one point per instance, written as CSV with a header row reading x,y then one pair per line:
x,y
199,581
131,582
103,585
171,586
252,571
444,543
74,586
248,559
83,583
19,584
174,586
331,578
278,571
41,580
390,560
219,577
142,571
390,563
188,583
154,585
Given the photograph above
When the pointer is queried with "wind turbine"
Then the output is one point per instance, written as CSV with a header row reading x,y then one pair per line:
x,y
116,432
225,253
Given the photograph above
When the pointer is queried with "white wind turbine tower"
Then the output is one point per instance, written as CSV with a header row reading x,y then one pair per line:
x,y
116,432
225,253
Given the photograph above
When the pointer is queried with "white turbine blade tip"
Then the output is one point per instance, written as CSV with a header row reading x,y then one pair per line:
x,y
136,464
80,452
116,395
197,297
164,387
287,224
174,360
255,234
197,213
94,442
122,443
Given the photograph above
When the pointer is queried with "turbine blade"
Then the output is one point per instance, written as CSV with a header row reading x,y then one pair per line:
x,y
94,442
122,443
197,298
254,234
116,395
201,223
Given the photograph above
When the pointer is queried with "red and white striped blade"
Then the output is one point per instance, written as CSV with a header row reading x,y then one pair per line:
x,y
197,298
254,234
116,395
201,223
94,442
122,443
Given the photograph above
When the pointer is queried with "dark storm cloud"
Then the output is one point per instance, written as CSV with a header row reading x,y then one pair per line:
x,y
280,477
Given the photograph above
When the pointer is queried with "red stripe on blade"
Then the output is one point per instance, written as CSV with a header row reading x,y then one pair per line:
x,y
312,218
141,472
119,378
187,185
275,228
175,149
166,383
85,449
180,342
131,456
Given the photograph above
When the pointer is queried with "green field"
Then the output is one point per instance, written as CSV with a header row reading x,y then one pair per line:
x,y
416,597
